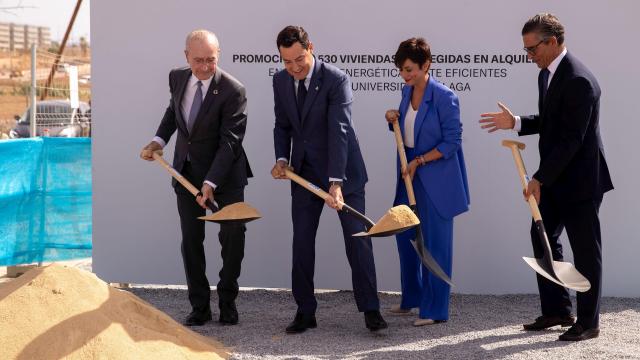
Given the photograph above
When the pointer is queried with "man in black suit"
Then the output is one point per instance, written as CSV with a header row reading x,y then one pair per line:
x,y
208,111
572,177
314,133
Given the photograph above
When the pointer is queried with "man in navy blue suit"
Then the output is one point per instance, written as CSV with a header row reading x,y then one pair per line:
x,y
313,133
573,174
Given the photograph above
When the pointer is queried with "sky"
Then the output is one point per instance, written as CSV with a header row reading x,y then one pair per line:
x,y
52,13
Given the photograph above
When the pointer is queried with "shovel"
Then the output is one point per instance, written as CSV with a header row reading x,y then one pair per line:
x,y
560,272
418,243
238,212
394,228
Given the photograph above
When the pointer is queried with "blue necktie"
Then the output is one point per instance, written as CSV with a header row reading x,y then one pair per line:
x,y
544,78
302,94
195,106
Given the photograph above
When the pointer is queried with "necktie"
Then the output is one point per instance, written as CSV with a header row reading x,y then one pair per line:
x,y
195,106
544,79
302,94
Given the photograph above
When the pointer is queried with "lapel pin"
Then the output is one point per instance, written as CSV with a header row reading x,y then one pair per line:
x,y
317,87
215,91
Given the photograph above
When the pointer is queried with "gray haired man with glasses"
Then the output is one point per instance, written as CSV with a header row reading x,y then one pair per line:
x,y
572,176
207,110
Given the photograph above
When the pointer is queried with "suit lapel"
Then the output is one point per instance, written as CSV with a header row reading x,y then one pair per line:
x,y
314,88
540,104
404,107
289,101
555,80
209,98
422,110
182,86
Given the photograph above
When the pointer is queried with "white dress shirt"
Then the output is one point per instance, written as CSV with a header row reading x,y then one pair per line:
x,y
552,70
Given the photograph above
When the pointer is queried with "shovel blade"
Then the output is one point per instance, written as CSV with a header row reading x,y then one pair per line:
x,y
561,273
229,221
430,263
236,213
384,233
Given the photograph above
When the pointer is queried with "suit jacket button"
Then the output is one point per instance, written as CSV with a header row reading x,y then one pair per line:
x,y
189,143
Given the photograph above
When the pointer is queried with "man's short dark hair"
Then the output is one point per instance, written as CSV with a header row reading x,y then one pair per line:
x,y
414,49
292,34
546,25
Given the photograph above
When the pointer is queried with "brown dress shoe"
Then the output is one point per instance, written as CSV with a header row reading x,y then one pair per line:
x,y
545,322
578,333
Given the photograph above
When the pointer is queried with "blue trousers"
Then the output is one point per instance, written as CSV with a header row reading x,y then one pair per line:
x,y
305,211
420,288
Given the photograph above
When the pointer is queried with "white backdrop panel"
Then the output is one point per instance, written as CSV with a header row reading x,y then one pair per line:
x,y
135,44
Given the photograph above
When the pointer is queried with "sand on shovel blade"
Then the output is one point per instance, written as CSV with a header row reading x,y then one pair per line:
x,y
397,217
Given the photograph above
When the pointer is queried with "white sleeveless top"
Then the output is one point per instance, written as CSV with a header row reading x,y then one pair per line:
x,y
409,121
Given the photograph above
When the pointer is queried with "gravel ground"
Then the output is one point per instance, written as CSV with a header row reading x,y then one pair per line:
x,y
480,327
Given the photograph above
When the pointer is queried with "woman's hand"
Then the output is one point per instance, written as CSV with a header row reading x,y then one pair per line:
x,y
392,116
411,169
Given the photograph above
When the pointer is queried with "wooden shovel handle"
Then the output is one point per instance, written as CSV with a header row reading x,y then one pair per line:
x,y
324,195
307,185
515,147
403,163
157,156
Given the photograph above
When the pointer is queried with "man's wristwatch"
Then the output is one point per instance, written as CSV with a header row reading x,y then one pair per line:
x,y
337,183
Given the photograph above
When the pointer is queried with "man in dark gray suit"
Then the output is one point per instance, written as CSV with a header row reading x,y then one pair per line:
x,y
572,177
208,111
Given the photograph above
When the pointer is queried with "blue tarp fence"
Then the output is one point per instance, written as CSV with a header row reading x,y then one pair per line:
x,y
45,200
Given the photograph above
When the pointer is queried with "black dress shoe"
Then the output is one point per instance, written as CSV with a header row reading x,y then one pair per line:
x,y
301,323
228,313
579,333
198,318
545,322
374,321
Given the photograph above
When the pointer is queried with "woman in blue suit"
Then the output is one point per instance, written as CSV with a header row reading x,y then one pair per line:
x,y
429,117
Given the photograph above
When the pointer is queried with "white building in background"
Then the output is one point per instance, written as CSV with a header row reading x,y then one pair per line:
x,y
44,37
5,36
17,37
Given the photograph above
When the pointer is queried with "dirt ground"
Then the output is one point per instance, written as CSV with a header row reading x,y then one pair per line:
x,y
11,105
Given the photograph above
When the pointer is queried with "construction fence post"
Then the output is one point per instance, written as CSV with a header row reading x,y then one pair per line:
x,y
32,112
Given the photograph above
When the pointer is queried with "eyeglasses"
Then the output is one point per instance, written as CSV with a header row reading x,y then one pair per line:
x,y
532,49
208,61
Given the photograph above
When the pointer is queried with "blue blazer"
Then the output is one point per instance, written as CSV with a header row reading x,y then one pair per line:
x,y
324,135
438,126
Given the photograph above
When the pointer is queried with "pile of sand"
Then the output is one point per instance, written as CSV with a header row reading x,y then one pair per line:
x,y
235,211
56,312
398,217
